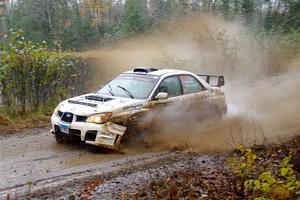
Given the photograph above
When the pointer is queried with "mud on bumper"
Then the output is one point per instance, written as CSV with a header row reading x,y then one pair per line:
x,y
106,135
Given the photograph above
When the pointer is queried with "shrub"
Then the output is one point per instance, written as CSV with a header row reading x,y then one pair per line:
x,y
33,77
256,180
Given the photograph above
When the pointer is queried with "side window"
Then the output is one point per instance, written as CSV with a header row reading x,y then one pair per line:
x,y
170,85
190,84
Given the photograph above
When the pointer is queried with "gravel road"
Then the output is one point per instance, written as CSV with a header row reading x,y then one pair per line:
x,y
34,166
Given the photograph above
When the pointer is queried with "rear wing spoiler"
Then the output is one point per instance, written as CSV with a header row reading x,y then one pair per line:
x,y
213,80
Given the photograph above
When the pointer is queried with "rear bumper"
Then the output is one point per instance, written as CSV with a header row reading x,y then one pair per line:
x,y
106,135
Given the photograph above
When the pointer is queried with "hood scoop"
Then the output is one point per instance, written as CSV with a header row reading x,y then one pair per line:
x,y
83,103
98,98
90,97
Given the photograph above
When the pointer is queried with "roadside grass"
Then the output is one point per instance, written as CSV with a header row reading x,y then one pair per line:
x,y
10,124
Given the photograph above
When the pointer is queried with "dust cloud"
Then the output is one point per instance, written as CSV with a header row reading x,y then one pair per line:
x,y
263,112
262,91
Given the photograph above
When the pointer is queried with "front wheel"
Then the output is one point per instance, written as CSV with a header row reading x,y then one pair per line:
x,y
60,138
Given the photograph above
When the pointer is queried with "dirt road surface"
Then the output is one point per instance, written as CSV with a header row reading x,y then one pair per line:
x,y
34,166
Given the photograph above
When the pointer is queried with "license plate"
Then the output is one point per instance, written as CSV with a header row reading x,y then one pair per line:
x,y
64,128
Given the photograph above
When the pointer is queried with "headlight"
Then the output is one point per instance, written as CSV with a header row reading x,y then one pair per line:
x,y
56,110
99,118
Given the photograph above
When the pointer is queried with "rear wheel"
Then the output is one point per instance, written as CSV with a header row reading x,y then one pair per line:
x,y
208,113
216,113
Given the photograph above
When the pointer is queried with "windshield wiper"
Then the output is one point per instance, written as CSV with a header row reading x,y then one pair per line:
x,y
127,91
110,90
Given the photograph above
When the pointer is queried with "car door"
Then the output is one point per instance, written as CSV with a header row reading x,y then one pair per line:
x,y
170,85
195,95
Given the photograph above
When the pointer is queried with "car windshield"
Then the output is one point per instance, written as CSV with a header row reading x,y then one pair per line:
x,y
135,86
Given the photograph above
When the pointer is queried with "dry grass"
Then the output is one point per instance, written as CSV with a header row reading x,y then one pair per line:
x,y
9,125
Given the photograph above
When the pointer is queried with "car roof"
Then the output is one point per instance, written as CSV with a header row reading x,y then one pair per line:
x,y
160,72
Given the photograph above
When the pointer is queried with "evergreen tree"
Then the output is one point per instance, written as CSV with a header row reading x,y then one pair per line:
x,y
76,24
292,17
223,8
248,10
135,19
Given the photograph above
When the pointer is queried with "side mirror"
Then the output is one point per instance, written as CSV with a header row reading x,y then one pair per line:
x,y
161,96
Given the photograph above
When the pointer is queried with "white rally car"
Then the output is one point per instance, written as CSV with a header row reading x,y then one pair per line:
x,y
102,118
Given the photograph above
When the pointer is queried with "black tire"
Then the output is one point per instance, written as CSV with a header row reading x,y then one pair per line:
x,y
216,113
60,139
134,132
208,113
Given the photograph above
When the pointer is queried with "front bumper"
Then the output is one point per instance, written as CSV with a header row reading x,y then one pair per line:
x,y
106,135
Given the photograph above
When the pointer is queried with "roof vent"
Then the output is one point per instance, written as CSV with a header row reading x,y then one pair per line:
x,y
144,69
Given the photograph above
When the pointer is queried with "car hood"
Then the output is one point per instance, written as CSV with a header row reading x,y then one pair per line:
x,y
92,103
